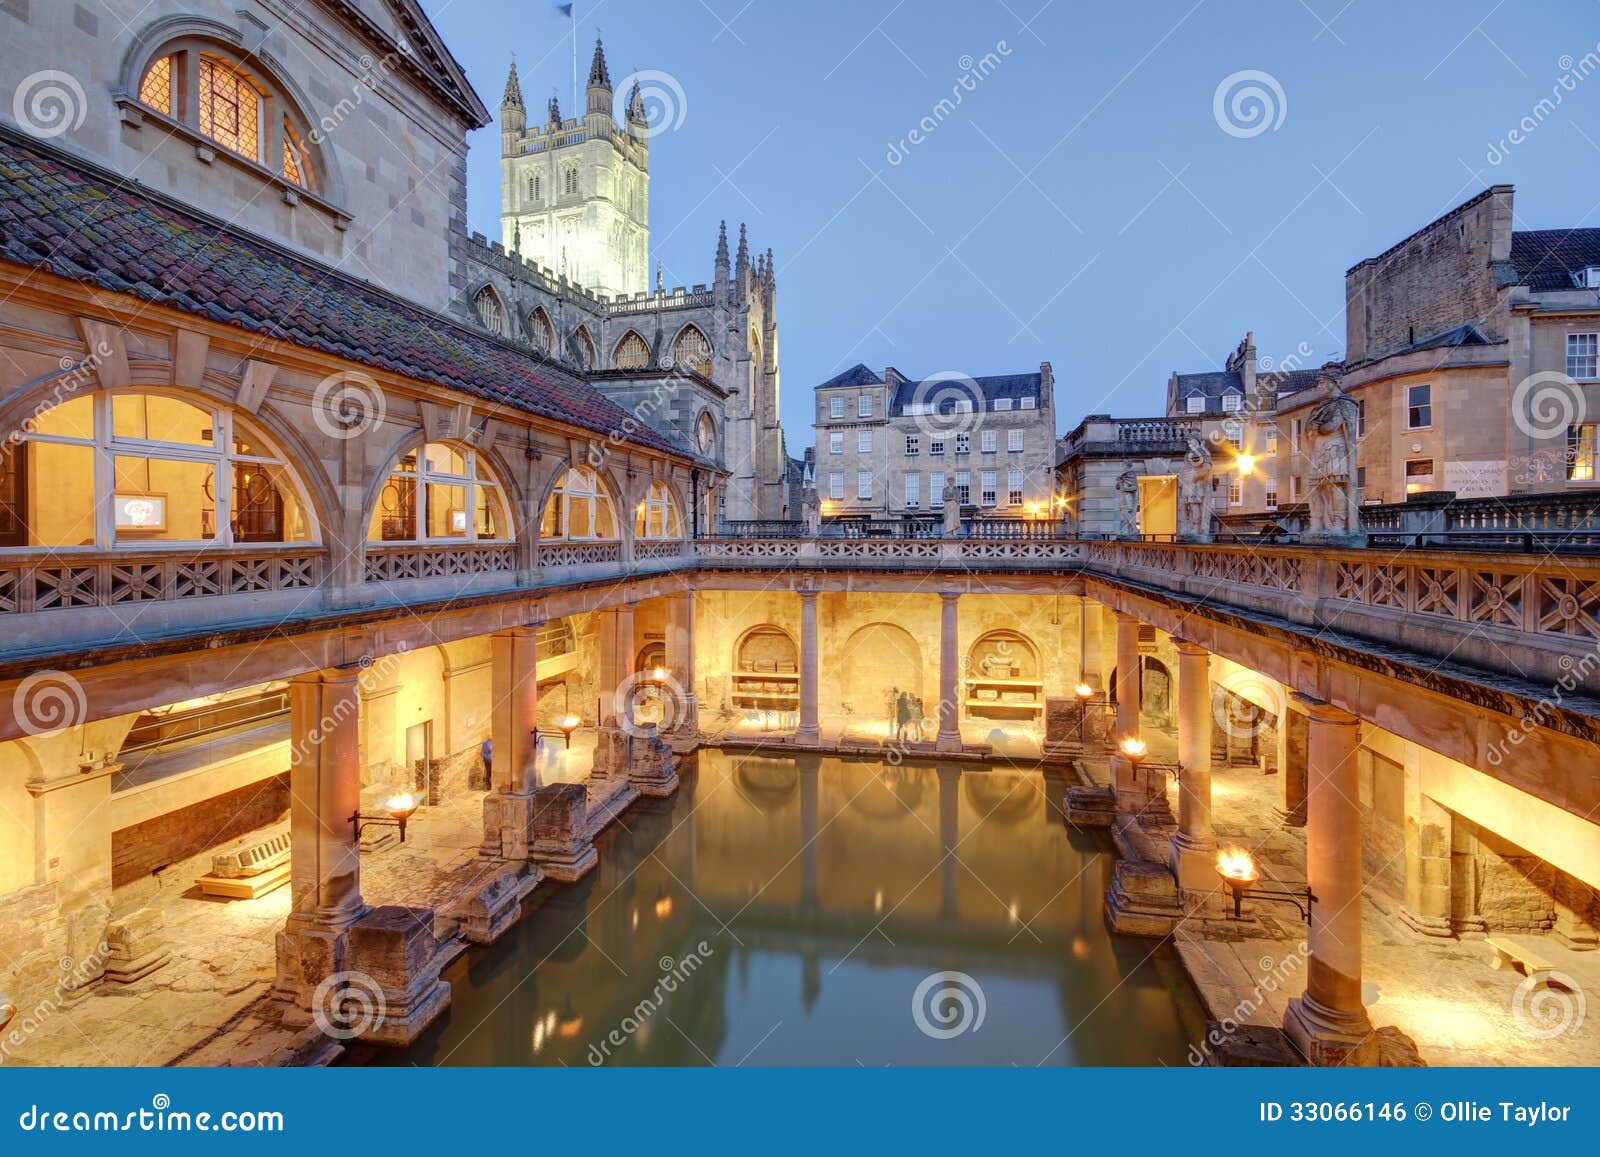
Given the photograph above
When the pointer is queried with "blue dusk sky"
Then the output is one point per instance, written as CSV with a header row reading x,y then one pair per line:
x,y
1088,200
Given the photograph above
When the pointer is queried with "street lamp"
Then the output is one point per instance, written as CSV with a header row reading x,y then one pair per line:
x,y
568,725
400,809
1246,464
1134,750
1084,692
1238,870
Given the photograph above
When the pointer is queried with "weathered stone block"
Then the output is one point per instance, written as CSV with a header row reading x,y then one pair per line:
x,y
494,903
393,970
652,766
559,832
137,945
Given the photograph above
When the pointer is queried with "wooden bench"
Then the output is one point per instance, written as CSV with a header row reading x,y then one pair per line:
x,y
249,871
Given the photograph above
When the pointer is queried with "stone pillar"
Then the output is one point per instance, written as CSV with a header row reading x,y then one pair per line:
x,y
1292,807
1328,1022
616,660
1129,785
1428,842
949,738
680,661
514,728
1193,847
325,791
808,731
1089,644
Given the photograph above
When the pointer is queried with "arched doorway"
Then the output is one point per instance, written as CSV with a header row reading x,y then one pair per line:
x,y
1003,679
1157,692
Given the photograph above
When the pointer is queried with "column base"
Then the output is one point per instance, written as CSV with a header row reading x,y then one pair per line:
x,y
652,766
1328,1038
1427,925
808,736
1194,862
948,741
1294,817
507,819
392,990
558,834
494,902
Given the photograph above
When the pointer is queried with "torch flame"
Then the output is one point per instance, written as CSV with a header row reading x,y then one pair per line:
x,y
1133,748
1236,864
402,804
1084,691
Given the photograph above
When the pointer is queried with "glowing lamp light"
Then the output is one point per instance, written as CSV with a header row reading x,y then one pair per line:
x,y
1239,872
659,674
663,904
570,1023
1247,465
1084,692
1134,750
1237,866
398,810
568,725
402,806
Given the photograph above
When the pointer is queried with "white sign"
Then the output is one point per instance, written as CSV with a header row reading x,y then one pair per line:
x,y
1475,479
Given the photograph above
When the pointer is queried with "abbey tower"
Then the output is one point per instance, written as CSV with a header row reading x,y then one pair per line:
x,y
575,193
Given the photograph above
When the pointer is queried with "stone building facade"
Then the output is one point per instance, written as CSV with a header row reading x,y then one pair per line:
x,y
888,446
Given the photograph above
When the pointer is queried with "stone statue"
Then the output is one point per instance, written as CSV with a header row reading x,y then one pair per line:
x,y
1194,491
1128,502
1330,436
811,512
952,513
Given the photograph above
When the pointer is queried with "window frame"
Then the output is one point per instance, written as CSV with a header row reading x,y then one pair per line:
x,y
599,493
423,476
1591,355
1413,407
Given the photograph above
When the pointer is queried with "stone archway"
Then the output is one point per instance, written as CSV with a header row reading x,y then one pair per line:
x,y
876,664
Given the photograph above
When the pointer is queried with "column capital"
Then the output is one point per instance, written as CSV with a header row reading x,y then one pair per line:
x,y
1126,617
1188,649
807,594
1321,711
949,596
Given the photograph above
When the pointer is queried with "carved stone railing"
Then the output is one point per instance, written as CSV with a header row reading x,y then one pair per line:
x,y
398,563
647,549
579,553
65,581
920,553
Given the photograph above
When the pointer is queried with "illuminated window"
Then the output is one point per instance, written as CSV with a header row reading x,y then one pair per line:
x,y
658,516
1014,488
1419,475
296,166
580,509
136,470
692,351
230,108
156,88
1580,452
1235,491
439,493
631,353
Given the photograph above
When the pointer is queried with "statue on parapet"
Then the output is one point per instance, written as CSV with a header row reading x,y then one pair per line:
x,y
1128,503
811,512
1330,435
1194,492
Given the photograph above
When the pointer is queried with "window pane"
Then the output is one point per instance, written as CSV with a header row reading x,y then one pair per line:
x,y
490,519
265,507
164,500
153,418
58,496
71,419
442,459
230,109
156,88
395,519
447,511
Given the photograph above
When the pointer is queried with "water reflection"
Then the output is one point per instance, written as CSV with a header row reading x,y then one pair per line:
x,y
785,911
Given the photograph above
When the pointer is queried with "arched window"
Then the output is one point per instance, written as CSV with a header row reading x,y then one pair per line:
x,y
631,352
129,470
539,329
705,436
691,351
580,508
440,492
658,515
585,346
231,105
490,311
536,188
569,181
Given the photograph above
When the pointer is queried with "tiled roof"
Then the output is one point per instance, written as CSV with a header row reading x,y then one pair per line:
x,y
1468,334
1286,382
71,221
1210,385
1016,387
856,375
1545,259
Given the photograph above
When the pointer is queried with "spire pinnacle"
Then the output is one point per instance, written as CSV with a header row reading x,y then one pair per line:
x,y
636,110
555,111
743,261
722,246
599,75
513,96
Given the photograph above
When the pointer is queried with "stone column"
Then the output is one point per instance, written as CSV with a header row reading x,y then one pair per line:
x,y
808,731
1089,643
514,727
325,791
680,660
949,738
1193,847
1130,788
616,660
1328,1022
1428,842
1292,767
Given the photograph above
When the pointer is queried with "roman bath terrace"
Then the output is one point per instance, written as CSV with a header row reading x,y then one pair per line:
x,y
419,649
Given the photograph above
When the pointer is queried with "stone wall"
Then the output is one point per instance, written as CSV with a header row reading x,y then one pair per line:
x,y
139,850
